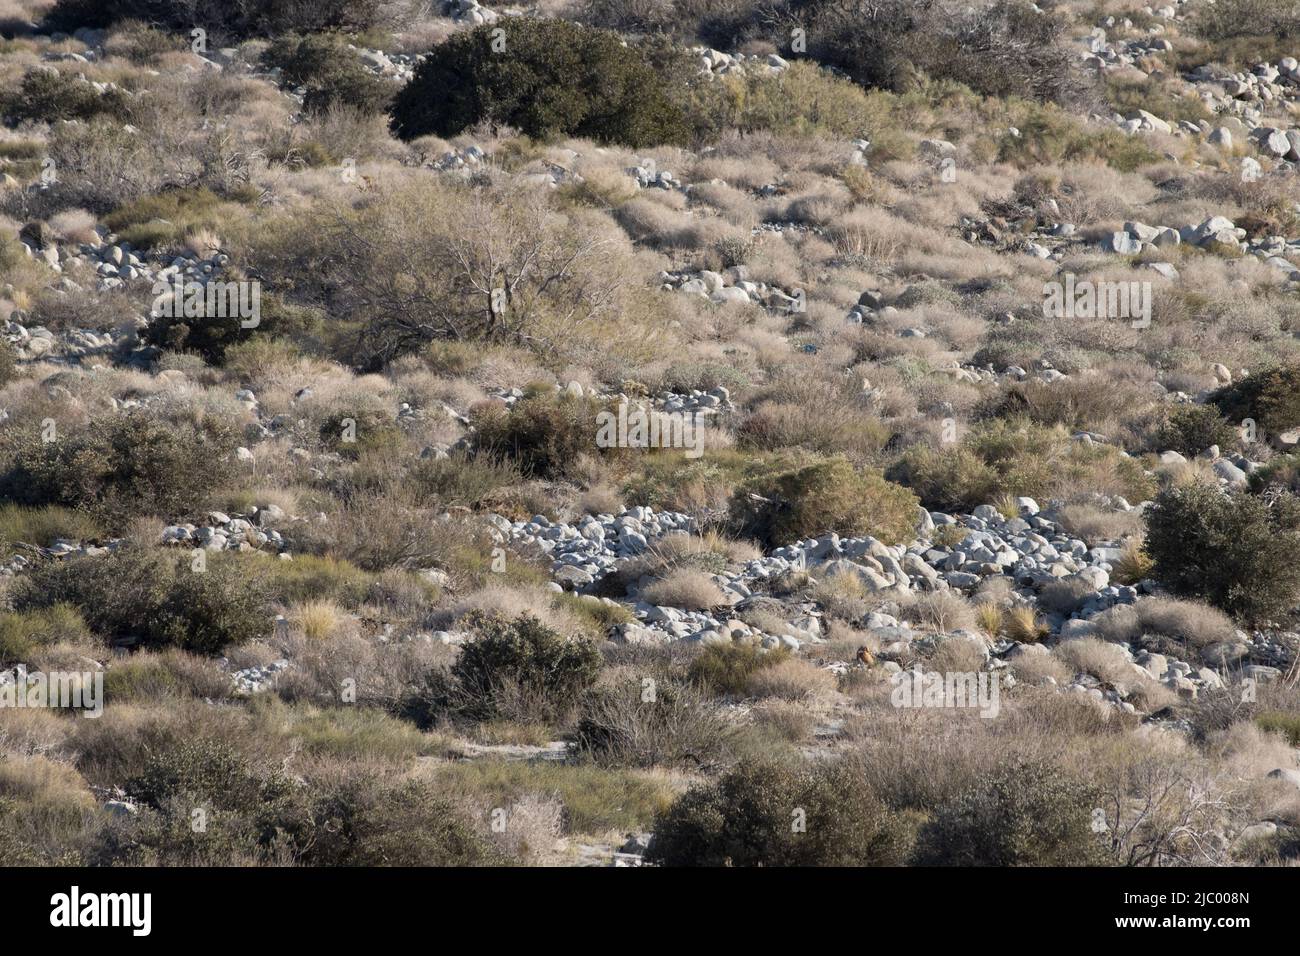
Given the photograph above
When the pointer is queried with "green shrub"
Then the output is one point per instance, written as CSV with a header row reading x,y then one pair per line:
x,y
510,667
46,96
1013,457
332,74
1281,472
542,435
44,526
1029,814
155,598
762,814
807,500
1236,551
122,466
1190,429
353,434
212,337
727,668
1279,722
309,577
460,479
1271,397
23,632
554,78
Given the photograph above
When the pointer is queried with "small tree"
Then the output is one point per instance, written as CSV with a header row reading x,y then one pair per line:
x,y
1236,551
546,78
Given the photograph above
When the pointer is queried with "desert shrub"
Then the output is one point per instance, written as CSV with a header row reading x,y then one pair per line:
x,y
806,500
1192,622
228,19
424,262
169,215
44,526
510,666
542,435
1228,19
1236,551
675,726
1003,48
208,770
461,479
47,95
8,364
1028,814
685,376
1023,625
727,668
747,819
24,631
803,100
405,824
1190,429
1279,722
154,598
213,336
1013,457
124,465
331,73
309,577
684,588
554,78
141,43
355,433
1270,397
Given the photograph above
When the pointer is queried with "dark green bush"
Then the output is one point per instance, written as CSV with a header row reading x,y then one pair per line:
x,y
511,667
806,500
46,96
332,74
121,467
1236,551
553,78
155,598
1270,397
211,337
1027,814
763,814
1190,429
543,435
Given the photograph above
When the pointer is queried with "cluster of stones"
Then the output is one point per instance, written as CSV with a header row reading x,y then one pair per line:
x,y
731,286
254,680
717,63
223,532
470,11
